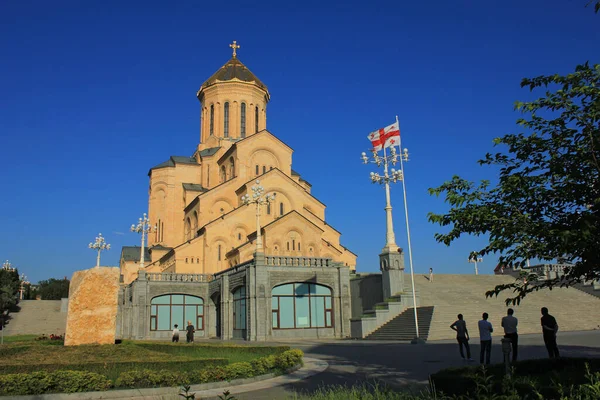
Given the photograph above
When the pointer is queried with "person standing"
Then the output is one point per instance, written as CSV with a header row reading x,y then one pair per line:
x,y
430,275
549,329
462,336
190,332
175,338
485,338
509,323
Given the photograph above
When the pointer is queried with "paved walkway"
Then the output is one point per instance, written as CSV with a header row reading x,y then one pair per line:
x,y
401,364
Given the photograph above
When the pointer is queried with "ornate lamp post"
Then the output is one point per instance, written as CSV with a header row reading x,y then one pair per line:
x,y
385,179
474,259
259,198
24,282
99,245
7,266
143,227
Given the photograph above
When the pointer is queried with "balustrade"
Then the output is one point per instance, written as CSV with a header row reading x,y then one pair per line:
x,y
173,277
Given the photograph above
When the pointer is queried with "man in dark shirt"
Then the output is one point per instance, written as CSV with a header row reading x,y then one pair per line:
x,y
190,332
462,336
549,329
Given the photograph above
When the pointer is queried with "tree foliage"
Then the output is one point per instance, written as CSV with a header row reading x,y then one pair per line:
x,y
9,286
546,204
53,289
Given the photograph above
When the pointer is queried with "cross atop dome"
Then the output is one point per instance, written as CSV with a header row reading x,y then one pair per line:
x,y
234,46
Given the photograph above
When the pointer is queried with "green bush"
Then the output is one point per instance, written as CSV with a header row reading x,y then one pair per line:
x,y
288,359
149,378
239,370
263,365
531,376
52,382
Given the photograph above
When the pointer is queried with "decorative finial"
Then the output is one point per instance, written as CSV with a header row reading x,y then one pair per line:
x,y
234,46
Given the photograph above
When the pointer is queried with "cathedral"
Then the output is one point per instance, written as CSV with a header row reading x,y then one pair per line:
x,y
218,256
199,221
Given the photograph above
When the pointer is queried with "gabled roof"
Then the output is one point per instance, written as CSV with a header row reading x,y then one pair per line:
x,y
234,69
159,247
194,187
175,160
133,253
209,152
253,136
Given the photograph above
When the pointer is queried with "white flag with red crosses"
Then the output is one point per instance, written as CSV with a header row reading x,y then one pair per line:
x,y
385,137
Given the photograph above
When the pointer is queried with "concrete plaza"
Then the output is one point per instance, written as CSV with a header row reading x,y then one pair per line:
x,y
402,364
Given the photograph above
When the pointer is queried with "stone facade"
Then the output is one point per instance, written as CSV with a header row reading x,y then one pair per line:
x,y
92,310
258,277
202,225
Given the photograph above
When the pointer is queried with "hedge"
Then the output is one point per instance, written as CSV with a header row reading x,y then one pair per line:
x,y
277,364
52,382
530,376
112,366
83,381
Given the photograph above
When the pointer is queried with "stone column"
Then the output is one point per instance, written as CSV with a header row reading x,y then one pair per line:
x,y
141,303
226,314
391,263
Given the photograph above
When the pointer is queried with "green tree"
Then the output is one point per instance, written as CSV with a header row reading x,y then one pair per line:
x,y
546,204
9,286
53,289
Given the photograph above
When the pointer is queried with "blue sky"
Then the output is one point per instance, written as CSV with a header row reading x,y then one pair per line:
x,y
96,93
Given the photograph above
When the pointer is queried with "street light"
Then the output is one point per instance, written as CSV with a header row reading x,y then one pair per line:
x,y
7,266
143,227
474,260
24,282
99,245
394,176
259,198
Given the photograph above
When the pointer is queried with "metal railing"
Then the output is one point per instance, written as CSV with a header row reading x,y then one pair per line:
x,y
286,261
173,277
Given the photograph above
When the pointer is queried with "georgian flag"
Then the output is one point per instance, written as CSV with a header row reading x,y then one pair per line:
x,y
385,137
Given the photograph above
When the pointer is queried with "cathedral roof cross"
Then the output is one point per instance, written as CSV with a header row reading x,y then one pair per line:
x,y
234,46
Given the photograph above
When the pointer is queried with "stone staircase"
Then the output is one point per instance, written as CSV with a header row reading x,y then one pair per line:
x,y
402,327
453,294
37,317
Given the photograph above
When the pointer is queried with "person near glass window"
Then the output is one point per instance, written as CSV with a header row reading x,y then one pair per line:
x,y
190,332
175,338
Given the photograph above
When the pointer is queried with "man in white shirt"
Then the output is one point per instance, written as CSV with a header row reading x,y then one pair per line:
x,y
509,323
485,337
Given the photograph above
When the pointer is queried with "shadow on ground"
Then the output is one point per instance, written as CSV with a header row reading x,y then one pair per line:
x,y
401,365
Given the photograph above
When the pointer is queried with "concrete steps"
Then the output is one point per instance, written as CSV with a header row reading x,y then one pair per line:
x,y
465,294
37,317
402,327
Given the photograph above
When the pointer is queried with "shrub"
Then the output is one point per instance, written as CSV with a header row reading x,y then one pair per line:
x,y
263,365
239,370
149,378
52,382
288,359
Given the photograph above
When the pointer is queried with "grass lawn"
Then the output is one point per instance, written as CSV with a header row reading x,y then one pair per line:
x,y
23,354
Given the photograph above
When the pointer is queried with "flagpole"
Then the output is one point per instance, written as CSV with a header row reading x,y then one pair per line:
x,y
412,273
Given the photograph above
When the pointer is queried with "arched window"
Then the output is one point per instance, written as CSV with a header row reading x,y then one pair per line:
x,y
219,253
298,246
264,169
269,208
194,224
188,227
223,174
162,231
280,208
231,167
256,119
212,119
239,308
192,260
243,120
197,260
293,244
301,305
226,120
256,169
170,309
288,246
